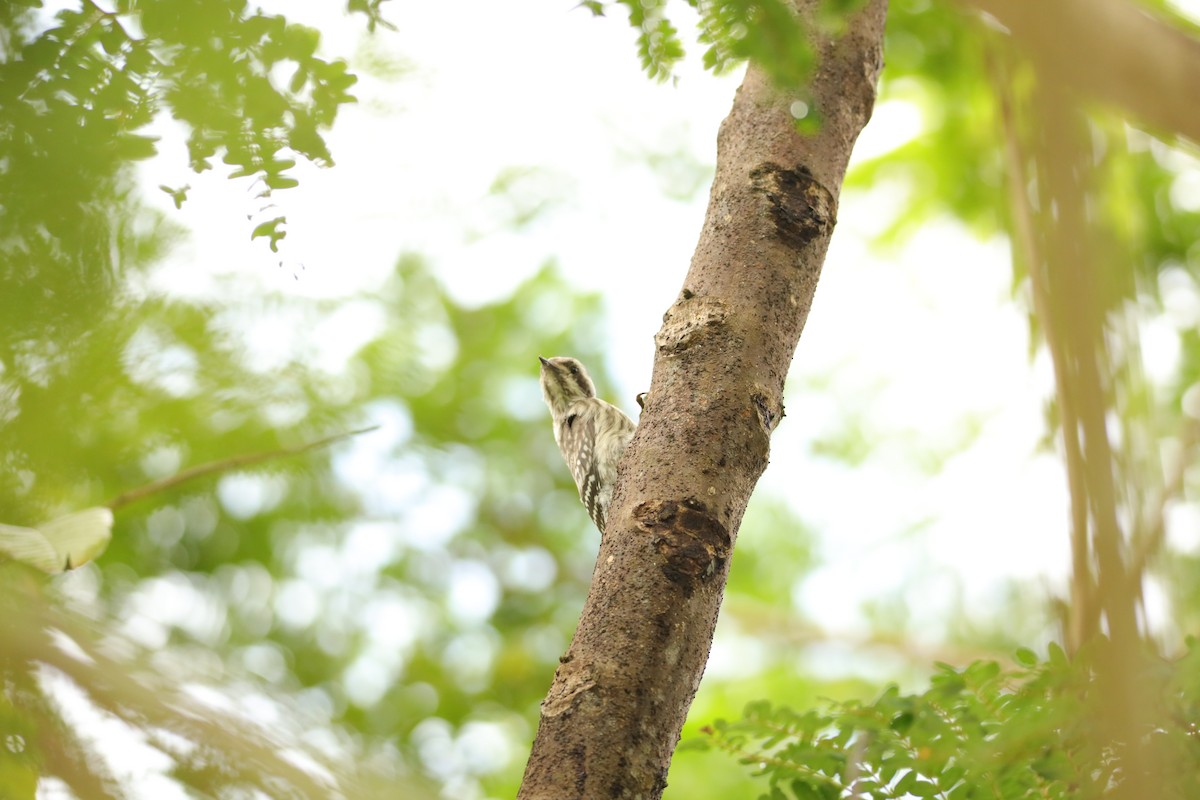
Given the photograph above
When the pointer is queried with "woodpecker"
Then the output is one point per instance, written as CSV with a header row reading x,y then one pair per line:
x,y
591,433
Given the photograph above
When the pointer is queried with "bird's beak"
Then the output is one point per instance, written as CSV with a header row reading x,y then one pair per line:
x,y
545,363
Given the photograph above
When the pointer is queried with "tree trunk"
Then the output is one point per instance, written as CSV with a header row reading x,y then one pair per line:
x,y
613,715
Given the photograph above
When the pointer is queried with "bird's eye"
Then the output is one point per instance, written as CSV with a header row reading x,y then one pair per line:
x,y
575,370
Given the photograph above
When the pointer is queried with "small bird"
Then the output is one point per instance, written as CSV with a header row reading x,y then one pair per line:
x,y
591,433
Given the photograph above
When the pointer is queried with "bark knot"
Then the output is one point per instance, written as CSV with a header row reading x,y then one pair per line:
x,y
800,207
572,681
689,321
691,542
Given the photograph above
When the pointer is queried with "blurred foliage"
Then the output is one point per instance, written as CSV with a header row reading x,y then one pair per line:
x,y
396,615
77,90
935,55
215,746
945,64
982,731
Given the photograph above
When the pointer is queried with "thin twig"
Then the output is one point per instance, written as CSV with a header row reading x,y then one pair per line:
x,y
200,470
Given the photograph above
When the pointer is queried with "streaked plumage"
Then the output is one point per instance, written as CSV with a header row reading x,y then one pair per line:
x,y
591,433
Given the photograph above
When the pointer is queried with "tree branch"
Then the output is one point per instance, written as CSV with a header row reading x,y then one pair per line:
x,y
1082,620
613,715
1114,51
244,460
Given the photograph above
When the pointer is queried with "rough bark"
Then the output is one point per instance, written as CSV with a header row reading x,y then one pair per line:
x,y
613,715
1114,51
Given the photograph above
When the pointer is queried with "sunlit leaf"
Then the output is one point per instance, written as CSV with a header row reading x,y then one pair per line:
x,y
30,546
62,543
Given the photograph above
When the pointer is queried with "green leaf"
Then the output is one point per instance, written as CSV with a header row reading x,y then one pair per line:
x,y
696,743
135,148
178,196
270,228
30,546
890,765
906,783
760,709
300,42
952,774
112,38
298,79
1026,657
921,788
804,790
281,181
982,671
42,52
902,722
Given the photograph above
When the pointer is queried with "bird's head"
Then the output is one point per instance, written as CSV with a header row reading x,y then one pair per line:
x,y
564,381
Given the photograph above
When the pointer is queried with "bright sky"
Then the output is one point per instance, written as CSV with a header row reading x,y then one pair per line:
x,y
919,349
